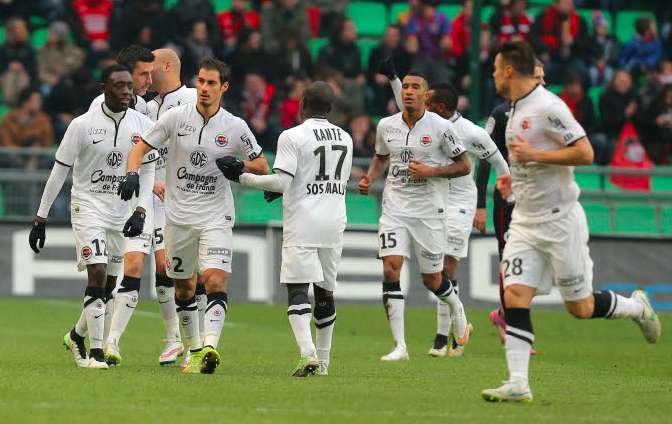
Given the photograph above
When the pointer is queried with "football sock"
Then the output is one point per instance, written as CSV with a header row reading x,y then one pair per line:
x,y
201,304
80,326
324,314
94,309
109,304
125,303
215,314
443,322
165,294
188,315
519,340
611,305
298,314
393,300
447,292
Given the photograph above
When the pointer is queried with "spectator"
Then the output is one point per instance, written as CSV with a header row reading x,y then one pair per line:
x,y
258,101
59,57
363,133
414,9
461,40
560,38
331,11
27,126
510,22
142,22
233,20
349,96
342,52
290,110
604,51
92,18
186,12
618,104
70,98
194,49
293,59
17,60
390,46
643,52
656,127
279,16
428,34
655,82
249,56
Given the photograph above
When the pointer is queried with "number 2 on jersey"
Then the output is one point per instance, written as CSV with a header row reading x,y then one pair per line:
x,y
322,151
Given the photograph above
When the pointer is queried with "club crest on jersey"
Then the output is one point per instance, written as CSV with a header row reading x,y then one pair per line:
x,y
135,138
525,124
198,159
426,140
114,159
221,140
86,252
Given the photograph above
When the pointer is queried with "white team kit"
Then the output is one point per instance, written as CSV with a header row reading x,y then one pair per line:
x,y
413,208
96,146
198,200
461,193
548,237
152,238
318,155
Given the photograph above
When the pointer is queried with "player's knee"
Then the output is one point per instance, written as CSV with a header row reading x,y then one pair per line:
x,y
215,281
518,296
133,265
431,281
184,289
297,294
161,268
449,267
97,275
582,309
391,270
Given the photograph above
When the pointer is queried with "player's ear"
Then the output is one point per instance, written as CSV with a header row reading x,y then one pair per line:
x,y
225,87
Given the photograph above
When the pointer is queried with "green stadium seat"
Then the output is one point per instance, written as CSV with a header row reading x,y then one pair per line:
x,y
362,209
3,110
365,47
2,202
370,18
39,38
450,10
666,220
486,13
169,4
595,93
253,209
397,9
625,23
37,21
2,34
661,183
588,181
635,219
222,5
554,88
599,217
587,15
534,11
314,46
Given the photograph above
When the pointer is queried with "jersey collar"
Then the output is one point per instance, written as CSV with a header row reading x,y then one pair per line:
x,y
165,96
527,94
115,116
455,117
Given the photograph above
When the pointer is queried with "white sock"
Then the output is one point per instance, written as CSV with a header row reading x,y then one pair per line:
x,y
80,326
443,318
625,307
166,297
201,303
109,313
325,320
188,315
94,309
448,293
124,305
214,316
299,320
518,352
393,299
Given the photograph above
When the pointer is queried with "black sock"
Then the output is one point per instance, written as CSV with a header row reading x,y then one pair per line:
x,y
93,293
217,298
186,305
129,284
200,289
445,288
109,288
440,341
605,303
163,280
519,324
392,291
324,311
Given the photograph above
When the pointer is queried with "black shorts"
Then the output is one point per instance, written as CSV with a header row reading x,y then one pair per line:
x,y
501,216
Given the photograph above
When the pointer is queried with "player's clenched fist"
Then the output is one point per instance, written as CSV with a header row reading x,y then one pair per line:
x,y
231,167
364,185
504,186
37,234
134,225
130,185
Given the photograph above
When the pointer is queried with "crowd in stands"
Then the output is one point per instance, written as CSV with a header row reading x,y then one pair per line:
x,y
53,51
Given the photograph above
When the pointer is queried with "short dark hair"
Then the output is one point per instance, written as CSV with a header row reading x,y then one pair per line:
x,y
642,24
107,72
318,98
445,93
217,65
520,56
133,54
417,73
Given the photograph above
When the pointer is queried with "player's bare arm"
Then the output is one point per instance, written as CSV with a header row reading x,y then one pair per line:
x,y
135,157
578,153
376,170
258,165
461,166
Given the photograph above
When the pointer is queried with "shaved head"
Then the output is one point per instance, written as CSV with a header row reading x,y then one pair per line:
x,y
317,99
166,74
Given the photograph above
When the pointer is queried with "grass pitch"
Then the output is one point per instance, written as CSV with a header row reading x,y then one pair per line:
x,y
594,372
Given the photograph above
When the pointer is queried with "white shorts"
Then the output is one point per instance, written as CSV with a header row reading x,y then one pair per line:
x,y
395,236
191,249
152,238
99,245
459,222
317,265
550,253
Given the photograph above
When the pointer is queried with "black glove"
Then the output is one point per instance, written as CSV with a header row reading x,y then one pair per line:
x,y
230,167
37,233
271,195
134,225
386,68
130,184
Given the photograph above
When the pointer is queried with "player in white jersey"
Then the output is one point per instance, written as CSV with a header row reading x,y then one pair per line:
x,y
548,236
96,147
165,78
199,203
312,168
140,61
421,149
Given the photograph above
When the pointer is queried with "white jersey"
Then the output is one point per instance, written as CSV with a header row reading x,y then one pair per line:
x,y
139,104
433,141
318,155
96,146
197,193
462,192
543,192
